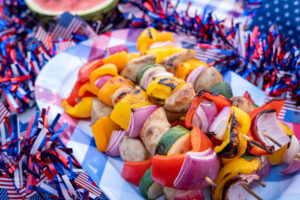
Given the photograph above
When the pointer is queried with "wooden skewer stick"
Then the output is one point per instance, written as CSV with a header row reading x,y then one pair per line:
x,y
298,154
262,183
211,182
255,143
270,138
250,191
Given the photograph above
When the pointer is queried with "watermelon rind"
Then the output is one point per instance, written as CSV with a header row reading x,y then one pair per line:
x,y
96,13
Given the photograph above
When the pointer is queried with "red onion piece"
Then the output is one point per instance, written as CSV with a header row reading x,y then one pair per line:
x,y
200,119
233,190
266,122
114,141
204,115
102,80
210,109
193,76
219,125
138,118
196,166
264,169
162,44
189,195
293,167
292,150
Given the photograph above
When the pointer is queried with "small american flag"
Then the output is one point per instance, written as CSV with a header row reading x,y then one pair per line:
x,y
83,181
64,45
43,36
289,111
66,25
7,183
207,55
3,112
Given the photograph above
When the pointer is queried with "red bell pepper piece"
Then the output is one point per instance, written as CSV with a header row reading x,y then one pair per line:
x,y
134,171
219,100
257,151
74,94
165,169
274,104
84,72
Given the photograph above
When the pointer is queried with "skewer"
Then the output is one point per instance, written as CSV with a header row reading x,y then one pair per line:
x,y
255,143
250,191
298,154
270,138
211,182
262,183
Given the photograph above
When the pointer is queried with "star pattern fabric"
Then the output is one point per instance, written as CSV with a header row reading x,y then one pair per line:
x,y
285,14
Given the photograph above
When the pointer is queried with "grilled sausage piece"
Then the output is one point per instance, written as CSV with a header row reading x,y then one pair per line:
x,y
173,61
210,77
243,103
99,109
120,93
181,100
132,149
133,67
154,127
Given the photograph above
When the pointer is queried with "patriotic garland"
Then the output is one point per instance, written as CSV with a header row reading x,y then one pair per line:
x,y
263,60
34,162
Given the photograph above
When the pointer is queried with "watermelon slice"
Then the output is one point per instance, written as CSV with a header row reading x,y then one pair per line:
x,y
88,9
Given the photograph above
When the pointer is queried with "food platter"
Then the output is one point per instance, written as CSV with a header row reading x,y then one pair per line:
x,y
56,81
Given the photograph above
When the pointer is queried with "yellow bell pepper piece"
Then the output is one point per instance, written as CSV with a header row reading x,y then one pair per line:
x,y
81,110
102,130
163,52
150,36
277,157
286,129
244,122
232,169
187,67
122,110
87,87
161,88
104,94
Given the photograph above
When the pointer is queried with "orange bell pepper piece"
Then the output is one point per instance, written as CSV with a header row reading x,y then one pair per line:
x,y
87,89
81,110
107,69
102,130
104,94
187,67
120,59
199,141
